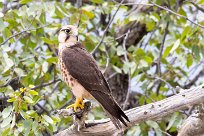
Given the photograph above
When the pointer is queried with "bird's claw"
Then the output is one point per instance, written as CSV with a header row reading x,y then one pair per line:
x,y
78,104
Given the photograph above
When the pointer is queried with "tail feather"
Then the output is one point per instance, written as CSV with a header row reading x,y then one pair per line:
x,y
111,107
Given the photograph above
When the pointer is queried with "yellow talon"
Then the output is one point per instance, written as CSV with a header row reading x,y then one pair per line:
x,y
78,104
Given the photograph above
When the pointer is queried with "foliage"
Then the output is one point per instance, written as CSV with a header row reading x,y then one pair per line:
x,y
30,55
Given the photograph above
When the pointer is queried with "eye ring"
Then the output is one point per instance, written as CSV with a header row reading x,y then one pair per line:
x,y
67,31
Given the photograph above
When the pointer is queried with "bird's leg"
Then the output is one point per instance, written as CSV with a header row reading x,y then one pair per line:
x,y
78,104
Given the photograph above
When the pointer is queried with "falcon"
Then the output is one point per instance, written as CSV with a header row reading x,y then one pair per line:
x,y
81,72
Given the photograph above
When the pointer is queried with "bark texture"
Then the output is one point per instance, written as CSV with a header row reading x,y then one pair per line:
x,y
152,111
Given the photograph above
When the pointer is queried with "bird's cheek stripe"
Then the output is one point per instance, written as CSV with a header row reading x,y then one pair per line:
x,y
67,38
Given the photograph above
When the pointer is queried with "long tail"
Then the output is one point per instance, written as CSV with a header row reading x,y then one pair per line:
x,y
111,107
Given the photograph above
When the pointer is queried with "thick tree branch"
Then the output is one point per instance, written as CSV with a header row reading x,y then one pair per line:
x,y
193,125
152,111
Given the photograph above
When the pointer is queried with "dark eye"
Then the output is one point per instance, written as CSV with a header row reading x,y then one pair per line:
x,y
67,31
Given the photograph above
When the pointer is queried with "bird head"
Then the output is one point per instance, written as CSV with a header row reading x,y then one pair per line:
x,y
68,33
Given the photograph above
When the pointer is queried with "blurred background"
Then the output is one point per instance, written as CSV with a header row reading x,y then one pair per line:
x,y
144,48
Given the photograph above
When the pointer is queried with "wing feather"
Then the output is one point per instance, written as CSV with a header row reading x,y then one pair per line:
x,y
82,66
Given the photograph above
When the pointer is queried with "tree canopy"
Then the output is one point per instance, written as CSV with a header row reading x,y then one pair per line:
x,y
144,48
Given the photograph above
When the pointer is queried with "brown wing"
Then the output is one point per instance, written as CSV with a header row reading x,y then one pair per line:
x,y
83,67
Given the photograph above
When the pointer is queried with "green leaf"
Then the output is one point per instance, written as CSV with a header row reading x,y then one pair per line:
x,y
24,115
32,92
89,14
35,129
126,67
28,99
148,59
139,53
201,2
27,126
138,17
172,120
155,17
120,50
154,125
58,13
9,62
175,46
46,40
13,121
97,1
24,1
45,66
52,60
6,122
42,18
6,112
2,25
189,60
117,69
185,32
48,119
19,72
6,131
11,99
167,51
196,52
7,33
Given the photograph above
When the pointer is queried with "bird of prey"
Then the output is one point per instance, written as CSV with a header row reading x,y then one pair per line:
x,y
81,72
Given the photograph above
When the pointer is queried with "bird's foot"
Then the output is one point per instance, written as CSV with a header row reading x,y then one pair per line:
x,y
78,104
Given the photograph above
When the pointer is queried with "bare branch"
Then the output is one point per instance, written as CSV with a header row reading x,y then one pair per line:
x,y
192,82
168,10
26,30
193,125
129,72
162,48
107,60
160,56
106,29
43,108
198,7
152,111
45,84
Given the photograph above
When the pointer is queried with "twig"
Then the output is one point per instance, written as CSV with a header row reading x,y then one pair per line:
x,y
54,89
8,83
106,29
129,71
162,48
107,60
198,7
149,38
160,56
111,76
121,36
168,84
66,104
26,30
187,85
79,4
46,84
44,109
168,10
19,32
